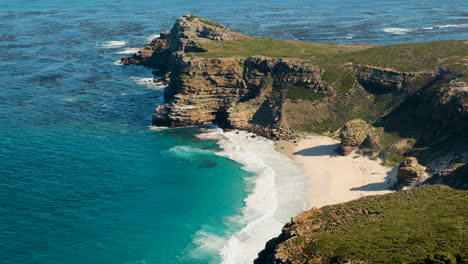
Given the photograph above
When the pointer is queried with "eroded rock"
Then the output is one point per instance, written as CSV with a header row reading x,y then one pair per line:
x,y
410,172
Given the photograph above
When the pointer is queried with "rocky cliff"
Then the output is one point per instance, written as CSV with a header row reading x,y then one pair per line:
x,y
412,99
406,104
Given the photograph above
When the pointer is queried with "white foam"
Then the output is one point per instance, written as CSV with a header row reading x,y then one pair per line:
x,y
117,62
151,37
113,44
188,151
207,244
278,192
148,82
403,31
452,26
398,31
128,51
157,128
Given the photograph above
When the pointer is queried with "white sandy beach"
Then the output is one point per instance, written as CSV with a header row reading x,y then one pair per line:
x,y
336,179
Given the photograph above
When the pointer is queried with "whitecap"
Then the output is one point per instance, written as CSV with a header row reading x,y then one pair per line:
x,y
128,51
151,37
206,244
452,26
148,82
113,44
157,128
188,152
117,62
398,31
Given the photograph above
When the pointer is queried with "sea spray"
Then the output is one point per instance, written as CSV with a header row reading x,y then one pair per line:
x,y
277,193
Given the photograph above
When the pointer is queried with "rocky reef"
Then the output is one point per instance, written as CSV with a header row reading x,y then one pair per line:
x,y
388,102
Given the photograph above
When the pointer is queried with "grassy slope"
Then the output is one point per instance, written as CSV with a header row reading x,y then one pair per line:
x,y
404,57
402,227
273,48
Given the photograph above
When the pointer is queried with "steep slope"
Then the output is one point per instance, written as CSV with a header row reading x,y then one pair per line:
x,y
417,94
424,225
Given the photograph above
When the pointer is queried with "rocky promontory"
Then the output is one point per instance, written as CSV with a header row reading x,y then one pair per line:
x,y
410,99
405,104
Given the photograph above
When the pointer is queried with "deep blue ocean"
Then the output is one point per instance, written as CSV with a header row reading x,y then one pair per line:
x,y
84,179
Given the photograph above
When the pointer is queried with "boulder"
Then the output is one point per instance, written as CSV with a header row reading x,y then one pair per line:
x,y
410,172
353,134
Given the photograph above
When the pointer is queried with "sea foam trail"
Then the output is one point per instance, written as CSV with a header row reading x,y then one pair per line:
x,y
151,37
148,82
403,31
278,193
113,44
128,51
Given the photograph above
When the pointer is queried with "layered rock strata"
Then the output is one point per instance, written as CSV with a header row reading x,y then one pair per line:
x,y
278,97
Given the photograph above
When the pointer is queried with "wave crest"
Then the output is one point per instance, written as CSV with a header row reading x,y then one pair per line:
x,y
277,193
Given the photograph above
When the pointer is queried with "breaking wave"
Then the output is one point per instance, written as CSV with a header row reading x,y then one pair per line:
x,y
403,31
277,193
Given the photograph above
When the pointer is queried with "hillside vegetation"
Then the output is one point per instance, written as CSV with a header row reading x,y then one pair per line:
x,y
404,57
425,225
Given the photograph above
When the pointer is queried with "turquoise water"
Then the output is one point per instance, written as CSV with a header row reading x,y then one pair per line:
x,y
83,178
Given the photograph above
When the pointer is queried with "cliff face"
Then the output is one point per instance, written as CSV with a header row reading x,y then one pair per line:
x,y
417,106
390,102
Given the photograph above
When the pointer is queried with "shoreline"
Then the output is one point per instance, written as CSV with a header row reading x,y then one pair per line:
x,y
275,192
333,178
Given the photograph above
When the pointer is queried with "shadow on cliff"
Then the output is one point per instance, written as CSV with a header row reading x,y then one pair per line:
x,y
388,183
324,150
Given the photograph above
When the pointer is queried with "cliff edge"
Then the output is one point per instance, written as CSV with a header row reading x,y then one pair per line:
x,y
425,225
412,99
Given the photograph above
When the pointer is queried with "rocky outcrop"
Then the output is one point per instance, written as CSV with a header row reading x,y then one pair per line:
x,y
355,133
455,176
279,97
245,93
162,52
410,172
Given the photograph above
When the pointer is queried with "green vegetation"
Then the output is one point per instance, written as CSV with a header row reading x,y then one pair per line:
x,y
405,57
347,83
332,73
320,128
415,56
424,225
204,20
272,48
300,93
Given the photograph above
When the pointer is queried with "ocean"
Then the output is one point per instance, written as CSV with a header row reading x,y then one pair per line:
x,y
84,176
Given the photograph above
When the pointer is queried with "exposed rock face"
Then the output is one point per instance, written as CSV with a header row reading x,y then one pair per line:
x,y
380,80
426,108
161,52
410,172
455,176
353,134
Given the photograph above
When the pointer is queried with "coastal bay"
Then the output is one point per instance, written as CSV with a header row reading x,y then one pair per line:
x,y
333,178
91,173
